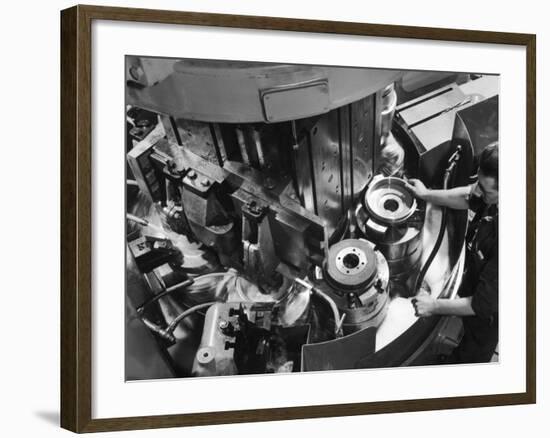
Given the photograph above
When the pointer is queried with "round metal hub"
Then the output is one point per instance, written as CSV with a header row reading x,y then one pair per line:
x,y
351,261
351,264
389,201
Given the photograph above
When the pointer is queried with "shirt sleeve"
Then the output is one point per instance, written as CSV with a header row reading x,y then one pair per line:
x,y
485,298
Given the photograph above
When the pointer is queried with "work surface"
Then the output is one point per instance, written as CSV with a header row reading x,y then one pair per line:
x,y
441,278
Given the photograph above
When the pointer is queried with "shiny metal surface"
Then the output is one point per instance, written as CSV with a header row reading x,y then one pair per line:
x,y
351,261
356,277
335,158
274,206
351,264
325,165
389,201
192,87
389,102
396,231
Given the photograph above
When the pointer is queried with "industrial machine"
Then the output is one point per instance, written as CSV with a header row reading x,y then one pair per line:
x,y
264,230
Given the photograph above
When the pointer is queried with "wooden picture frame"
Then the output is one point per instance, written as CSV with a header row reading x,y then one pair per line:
x,y
76,217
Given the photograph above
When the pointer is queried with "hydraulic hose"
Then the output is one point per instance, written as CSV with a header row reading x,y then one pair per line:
x,y
449,174
168,332
338,320
172,326
162,294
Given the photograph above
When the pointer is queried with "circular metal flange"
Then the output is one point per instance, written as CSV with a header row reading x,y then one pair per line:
x,y
351,264
375,301
389,201
351,260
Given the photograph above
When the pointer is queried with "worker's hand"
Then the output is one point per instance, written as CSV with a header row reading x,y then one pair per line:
x,y
424,304
417,188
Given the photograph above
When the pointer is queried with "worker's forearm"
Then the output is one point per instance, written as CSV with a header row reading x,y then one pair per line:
x,y
456,198
456,307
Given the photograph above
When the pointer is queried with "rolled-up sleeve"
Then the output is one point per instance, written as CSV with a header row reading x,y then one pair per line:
x,y
485,298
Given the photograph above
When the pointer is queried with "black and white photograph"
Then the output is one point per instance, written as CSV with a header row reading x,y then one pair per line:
x,y
276,219
291,218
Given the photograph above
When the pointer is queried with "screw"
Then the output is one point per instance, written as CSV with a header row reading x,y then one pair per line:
x,y
192,174
205,182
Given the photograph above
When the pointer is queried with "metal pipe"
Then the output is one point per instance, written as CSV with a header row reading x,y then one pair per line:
x,y
146,223
136,219
157,329
163,293
172,326
338,320
167,333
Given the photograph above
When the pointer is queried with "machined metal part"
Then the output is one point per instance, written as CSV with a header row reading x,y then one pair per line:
x,y
356,277
351,261
351,265
391,218
389,201
242,338
215,356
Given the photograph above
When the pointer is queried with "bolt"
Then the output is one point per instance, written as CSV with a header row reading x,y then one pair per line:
x,y
171,165
192,174
205,182
223,324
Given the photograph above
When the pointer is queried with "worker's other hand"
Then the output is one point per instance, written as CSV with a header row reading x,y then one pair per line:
x,y
417,188
424,304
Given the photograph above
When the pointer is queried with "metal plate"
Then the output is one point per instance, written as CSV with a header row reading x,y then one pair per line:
x,y
304,99
210,90
326,167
